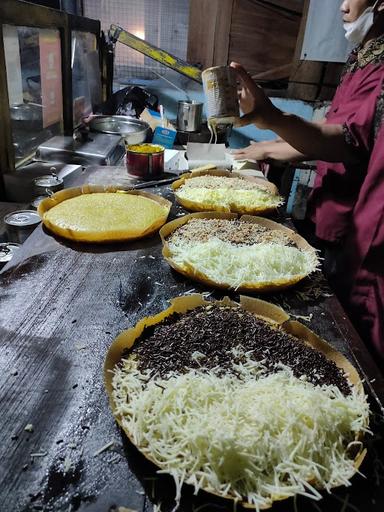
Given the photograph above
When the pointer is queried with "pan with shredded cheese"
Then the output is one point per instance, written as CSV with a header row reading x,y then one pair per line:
x,y
237,254
226,192
252,432
255,438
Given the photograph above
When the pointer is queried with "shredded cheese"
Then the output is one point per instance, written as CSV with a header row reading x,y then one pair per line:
x,y
254,437
236,265
230,198
212,127
104,448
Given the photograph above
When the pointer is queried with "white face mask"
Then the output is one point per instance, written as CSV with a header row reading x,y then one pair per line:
x,y
355,31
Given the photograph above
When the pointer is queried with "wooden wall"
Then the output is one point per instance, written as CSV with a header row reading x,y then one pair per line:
x,y
265,36
260,34
311,80
209,32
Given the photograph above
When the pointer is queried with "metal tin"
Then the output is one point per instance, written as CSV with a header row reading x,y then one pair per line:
x,y
220,89
189,116
144,163
7,250
49,183
36,201
20,224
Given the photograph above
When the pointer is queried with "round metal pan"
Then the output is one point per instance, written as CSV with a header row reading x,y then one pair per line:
x,y
133,130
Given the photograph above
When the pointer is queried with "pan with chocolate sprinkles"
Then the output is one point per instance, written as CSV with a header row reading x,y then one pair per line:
x,y
238,400
205,337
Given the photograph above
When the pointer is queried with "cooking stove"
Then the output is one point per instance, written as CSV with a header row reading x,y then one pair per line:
x,y
96,149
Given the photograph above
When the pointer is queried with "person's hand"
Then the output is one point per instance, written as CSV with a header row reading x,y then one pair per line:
x,y
255,105
256,151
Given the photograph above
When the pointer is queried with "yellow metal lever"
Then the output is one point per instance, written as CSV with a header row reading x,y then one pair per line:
x,y
118,34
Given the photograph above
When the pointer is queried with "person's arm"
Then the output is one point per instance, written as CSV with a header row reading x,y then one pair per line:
x,y
316,141
277,150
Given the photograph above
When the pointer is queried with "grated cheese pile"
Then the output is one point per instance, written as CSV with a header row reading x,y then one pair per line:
x,y
237,265
254,437
228,193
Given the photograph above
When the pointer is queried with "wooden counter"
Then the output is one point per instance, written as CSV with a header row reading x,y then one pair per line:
x,y
62,305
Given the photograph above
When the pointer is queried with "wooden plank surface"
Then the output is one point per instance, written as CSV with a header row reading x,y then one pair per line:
x,y
306,76
295,6
260,35
263,37
60,308
311,80
209,32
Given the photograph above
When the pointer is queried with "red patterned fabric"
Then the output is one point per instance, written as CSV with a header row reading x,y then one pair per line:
x,y
347,203
337,186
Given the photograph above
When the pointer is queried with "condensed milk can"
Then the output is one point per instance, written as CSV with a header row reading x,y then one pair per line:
x,y
20,224
7,251
220,89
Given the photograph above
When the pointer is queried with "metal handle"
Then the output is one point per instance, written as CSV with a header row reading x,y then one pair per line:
x,y
52,170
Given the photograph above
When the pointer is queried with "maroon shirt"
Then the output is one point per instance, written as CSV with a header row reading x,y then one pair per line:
x,y
348,200
340,188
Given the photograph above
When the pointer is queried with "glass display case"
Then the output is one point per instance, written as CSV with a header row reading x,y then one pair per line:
x,y
86,84
34,79
51,66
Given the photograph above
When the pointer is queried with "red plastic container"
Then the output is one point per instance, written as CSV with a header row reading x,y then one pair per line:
x,y
146,161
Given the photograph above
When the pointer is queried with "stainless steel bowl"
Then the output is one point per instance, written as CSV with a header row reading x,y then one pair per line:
x,y
134,131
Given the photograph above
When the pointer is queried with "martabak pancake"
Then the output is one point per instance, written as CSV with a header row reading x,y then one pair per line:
x,y
103,216
233,403
249,253
222,191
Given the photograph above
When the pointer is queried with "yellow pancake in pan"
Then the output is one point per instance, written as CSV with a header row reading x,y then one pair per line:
x,y
103,214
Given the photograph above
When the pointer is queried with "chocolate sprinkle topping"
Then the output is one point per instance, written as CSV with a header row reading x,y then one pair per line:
x,y
212,332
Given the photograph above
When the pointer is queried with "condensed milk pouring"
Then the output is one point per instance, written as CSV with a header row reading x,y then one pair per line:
x,y
220,89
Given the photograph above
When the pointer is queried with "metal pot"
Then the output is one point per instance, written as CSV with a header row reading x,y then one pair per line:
x,y
47,184
134,131
189,115
145,161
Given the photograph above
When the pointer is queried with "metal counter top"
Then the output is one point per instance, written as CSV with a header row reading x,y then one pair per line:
x,y
62,305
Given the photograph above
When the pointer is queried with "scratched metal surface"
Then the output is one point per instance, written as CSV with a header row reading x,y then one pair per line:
x,y
60,308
